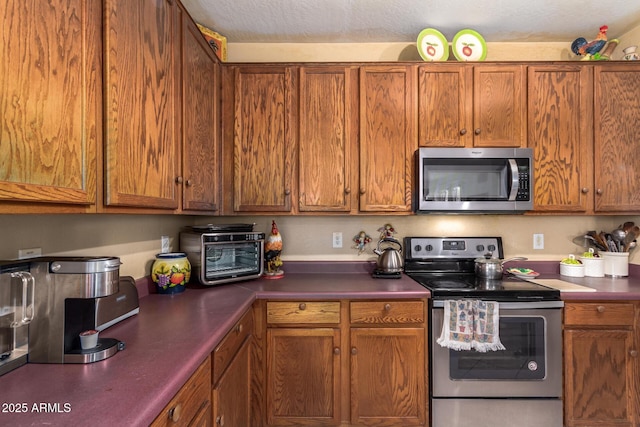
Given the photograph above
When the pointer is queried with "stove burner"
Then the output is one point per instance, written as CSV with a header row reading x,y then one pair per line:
x,y
447,284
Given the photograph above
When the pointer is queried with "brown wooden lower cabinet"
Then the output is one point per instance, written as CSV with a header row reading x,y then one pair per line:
x,y
602,370
344,363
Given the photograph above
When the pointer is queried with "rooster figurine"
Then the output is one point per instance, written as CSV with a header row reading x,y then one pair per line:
x,y
581,47
272,250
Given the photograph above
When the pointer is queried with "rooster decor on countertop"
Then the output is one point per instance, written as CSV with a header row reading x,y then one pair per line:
x,y
272,251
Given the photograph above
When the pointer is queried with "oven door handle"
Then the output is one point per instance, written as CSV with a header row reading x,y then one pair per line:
x,y
516,305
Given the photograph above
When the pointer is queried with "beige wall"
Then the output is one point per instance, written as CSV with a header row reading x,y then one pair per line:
x,y
136,238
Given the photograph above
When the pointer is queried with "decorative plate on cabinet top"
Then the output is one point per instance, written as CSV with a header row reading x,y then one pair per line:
x,y
469,45
432,45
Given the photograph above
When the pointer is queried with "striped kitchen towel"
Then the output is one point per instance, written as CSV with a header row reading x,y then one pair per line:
x,y
471,325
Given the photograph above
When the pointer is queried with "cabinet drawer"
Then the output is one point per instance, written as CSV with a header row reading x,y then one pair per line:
x,y
303,312
230,344
599,314
387,312
193,395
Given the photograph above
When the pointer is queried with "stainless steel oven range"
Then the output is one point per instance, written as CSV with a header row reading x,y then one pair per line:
x,y
521,385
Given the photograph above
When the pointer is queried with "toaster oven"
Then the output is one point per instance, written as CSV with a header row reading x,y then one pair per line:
x,y
220,257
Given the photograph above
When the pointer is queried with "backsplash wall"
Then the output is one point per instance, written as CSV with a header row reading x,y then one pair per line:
x,y
136,238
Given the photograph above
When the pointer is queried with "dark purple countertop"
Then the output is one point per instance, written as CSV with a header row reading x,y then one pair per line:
x,y
172,335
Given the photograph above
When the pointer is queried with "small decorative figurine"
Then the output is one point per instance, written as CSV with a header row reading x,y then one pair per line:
x,y
581,47
630,53
361,240
386,231
272,250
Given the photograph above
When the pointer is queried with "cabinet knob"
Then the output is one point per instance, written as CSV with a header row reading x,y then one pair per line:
x,y
363,190
287,191
387,307
175,412
302,306
178,180
633,353
188,183
239,328
599,191
354,351
336,350
477,131
463,131
347,190
220,420
600,309
584,190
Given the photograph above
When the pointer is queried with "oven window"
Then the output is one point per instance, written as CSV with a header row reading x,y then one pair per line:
x,y
523,359
223,260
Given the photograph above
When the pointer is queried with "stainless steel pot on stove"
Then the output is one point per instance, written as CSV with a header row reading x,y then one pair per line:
x,y
389,258
492,268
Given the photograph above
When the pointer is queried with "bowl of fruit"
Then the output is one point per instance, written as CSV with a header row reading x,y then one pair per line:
x,y
571,267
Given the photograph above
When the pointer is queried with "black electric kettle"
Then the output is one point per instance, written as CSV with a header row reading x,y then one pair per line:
x,y
389,257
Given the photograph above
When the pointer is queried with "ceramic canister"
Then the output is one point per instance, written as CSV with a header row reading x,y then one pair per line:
x,y
171,272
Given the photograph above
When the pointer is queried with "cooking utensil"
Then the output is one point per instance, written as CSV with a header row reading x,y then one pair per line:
x,y
492,268
588,241
389,258
630,238
618,236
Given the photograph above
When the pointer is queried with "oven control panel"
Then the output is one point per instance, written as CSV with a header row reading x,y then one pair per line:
x,y
423,248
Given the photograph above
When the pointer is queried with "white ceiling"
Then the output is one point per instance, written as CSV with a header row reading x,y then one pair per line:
x,y
371,21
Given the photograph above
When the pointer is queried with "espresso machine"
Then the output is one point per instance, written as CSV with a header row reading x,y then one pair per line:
x,y
16,313
74,295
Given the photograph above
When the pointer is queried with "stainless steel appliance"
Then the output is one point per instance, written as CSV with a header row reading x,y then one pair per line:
x,y
496,388
72,295
16,312
223,253
474,180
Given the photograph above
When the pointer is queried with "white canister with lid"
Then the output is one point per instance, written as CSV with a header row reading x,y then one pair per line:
x,y
593,265
571,270
616,264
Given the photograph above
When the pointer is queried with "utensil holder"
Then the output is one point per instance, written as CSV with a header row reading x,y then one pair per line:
x,y
616,264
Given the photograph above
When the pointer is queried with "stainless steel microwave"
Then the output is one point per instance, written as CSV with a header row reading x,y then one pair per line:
x,y
474,180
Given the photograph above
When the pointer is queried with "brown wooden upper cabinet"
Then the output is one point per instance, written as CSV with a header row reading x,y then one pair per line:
x,y
472,105
142,150
50,97
258,138
388,137
561,135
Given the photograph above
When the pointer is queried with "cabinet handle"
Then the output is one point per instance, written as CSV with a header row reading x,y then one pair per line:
x,y
633,353
600,308
336,350
463,131
188,183
175,412
599,191
220,420
302,306
584,190
347,190
387,307
477,131
354,351
178,180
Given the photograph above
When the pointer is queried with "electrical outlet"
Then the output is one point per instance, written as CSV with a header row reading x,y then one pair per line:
x,y
29,253
337,239
164,244
538,241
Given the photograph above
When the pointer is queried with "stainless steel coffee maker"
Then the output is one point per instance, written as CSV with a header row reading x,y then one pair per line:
x,y
67,293
16,313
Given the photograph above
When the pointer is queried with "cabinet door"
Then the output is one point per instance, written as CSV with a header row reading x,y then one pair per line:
x,y
51,100
560,133
499,106
200,117
445,105
388,137
303,376
388,382
600,379
142,152
327,142
262,138
231,396
616,115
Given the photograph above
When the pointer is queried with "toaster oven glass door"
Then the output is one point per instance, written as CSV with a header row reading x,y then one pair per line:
x,y
232,259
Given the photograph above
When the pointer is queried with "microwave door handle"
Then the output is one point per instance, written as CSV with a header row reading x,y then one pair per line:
x,y
515,181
